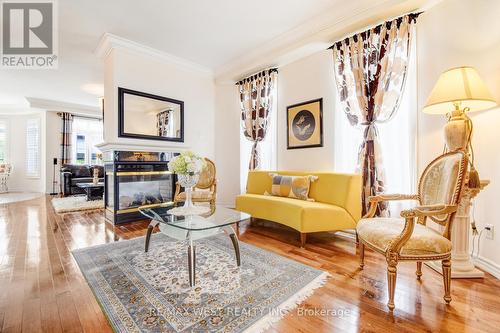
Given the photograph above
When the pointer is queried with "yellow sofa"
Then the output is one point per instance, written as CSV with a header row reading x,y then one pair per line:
x,y
337,204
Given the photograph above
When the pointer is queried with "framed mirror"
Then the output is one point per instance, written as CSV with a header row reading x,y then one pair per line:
x,y
147,116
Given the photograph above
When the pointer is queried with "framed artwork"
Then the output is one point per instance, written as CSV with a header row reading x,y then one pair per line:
x,y
305,124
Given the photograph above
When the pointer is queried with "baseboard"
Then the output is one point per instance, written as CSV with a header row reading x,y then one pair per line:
x,y
226,204
348,234
488,266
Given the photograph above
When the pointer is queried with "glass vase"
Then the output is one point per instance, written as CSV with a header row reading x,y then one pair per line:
x,y
188,181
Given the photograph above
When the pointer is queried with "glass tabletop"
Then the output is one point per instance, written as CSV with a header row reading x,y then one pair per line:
x,y
217,217
85,185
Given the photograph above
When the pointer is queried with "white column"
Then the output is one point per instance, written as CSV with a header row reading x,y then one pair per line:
x,y
461,261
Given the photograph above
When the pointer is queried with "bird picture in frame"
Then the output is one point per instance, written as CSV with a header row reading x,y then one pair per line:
x,y
305,124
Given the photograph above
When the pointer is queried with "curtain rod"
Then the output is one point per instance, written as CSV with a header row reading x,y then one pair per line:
x,y
412,16
81,116
256,75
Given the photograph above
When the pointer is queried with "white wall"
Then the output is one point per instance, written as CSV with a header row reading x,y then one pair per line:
x,y
304,80
157,76
16,155
227,143
52,148
458,33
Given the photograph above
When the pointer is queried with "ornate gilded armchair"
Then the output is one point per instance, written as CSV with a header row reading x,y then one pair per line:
x,y
409,238
206,188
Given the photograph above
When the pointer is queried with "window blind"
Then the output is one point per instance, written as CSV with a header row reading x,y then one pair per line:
x,y
33,148
3,140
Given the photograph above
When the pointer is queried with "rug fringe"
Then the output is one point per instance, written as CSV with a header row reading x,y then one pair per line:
x,y
290,304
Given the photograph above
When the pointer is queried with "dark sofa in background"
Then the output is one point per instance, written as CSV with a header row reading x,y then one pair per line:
x,y
73,174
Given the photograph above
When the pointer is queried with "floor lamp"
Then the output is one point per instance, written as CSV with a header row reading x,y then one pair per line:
x,y
54,181
458,92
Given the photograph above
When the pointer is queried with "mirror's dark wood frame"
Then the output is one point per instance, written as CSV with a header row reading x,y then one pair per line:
x,y
121,115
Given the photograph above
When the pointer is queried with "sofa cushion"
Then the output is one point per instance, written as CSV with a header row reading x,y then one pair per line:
x,y
296,187
77,171
305,216
380,232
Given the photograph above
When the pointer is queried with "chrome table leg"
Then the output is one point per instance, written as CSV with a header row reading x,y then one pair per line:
x,y
191,260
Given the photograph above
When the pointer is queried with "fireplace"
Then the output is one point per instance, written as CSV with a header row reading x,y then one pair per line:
x,y
134,179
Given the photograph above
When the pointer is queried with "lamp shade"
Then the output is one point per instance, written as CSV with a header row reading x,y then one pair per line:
x,y
462,84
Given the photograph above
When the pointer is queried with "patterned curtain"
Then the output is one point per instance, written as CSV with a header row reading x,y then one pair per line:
x,y
66,129
256,102
162,123
370,70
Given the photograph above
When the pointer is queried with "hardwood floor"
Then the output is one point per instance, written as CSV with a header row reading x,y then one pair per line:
x,y
42,289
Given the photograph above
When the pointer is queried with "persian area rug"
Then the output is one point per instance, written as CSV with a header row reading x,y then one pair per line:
x,y
75,203
149,292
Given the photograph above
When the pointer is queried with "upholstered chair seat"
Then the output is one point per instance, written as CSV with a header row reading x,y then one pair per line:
x,y
379,233
196,195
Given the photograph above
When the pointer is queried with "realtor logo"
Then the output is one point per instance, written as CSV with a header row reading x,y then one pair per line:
x,y
29,38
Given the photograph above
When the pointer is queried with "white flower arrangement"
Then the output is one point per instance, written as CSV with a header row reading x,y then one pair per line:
x,y
187,163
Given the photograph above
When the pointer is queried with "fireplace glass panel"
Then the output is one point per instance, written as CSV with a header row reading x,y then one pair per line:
x,y
110,187
134,179
138,190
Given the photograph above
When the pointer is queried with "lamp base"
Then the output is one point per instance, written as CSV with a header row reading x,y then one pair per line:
x,y
457,131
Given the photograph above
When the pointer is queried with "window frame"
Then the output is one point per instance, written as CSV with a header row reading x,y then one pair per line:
x,y
88,148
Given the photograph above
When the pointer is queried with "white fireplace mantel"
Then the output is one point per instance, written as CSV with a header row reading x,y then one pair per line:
x,y
129,146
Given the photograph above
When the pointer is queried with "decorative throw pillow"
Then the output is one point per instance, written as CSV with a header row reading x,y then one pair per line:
x,y
291,186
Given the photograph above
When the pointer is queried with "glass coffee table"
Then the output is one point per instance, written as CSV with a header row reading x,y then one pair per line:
x,y
194,227
93,191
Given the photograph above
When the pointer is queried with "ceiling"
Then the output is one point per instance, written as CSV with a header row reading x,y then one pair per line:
x,y
209,33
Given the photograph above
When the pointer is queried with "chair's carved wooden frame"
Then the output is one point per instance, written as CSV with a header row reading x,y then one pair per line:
x,y
441,214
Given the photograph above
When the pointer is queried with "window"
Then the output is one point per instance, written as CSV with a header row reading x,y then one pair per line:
x,y
397,140
80,149
3,141
87,132
33,148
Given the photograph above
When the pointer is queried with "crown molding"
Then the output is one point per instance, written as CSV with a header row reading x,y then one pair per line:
x,y
109,42
59,106
316,35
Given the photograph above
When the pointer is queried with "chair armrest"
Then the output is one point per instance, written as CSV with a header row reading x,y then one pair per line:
x,y
374,200
396,245
429,210
419,212
393,197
